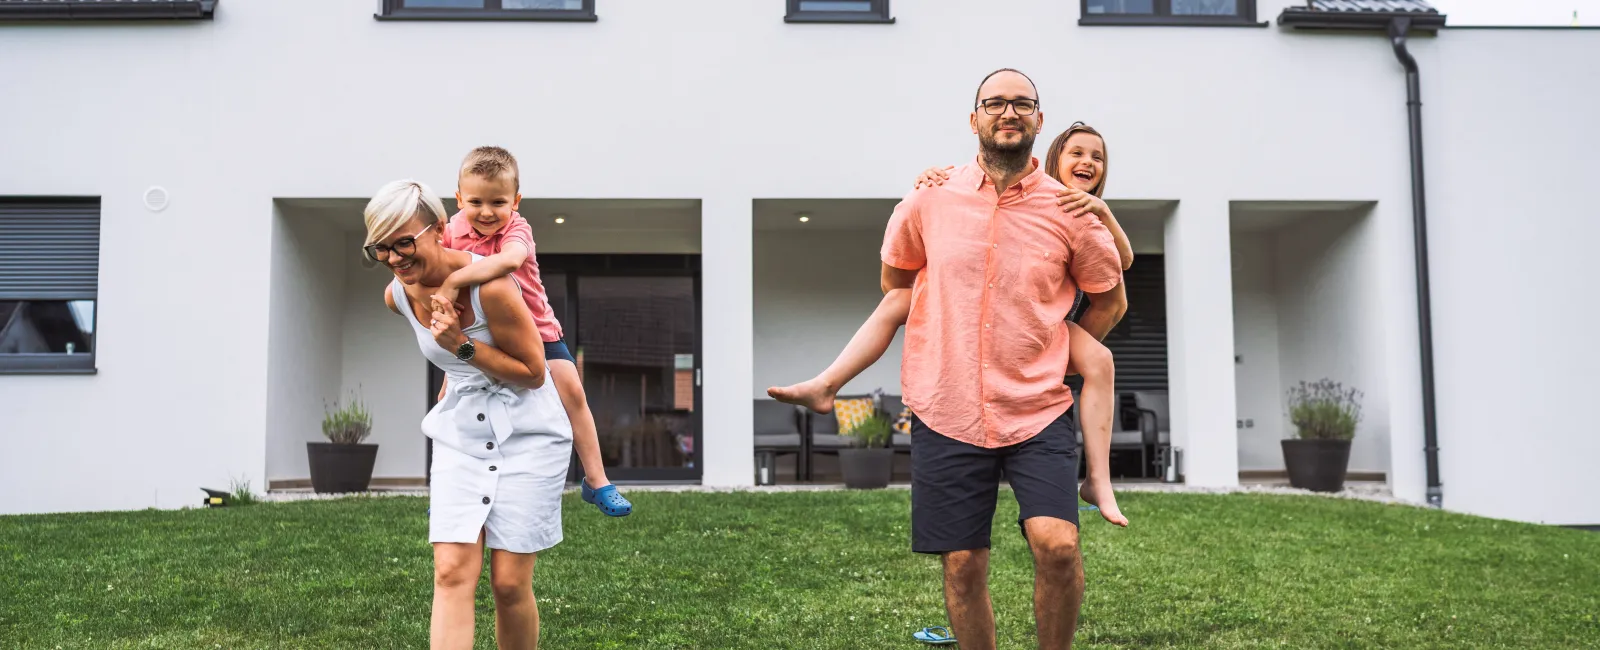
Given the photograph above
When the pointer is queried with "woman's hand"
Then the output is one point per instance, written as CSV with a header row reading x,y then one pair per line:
x,y
1078,203
933,176
446,326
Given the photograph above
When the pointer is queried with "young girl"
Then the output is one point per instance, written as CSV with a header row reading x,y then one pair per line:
x,y
1077,159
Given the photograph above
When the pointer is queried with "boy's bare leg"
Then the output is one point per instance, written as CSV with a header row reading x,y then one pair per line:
x,y
1093,361
585,439
864,349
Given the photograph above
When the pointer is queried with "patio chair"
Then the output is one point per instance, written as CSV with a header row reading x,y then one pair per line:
x,y
778,432
822,432
1142,437
1152,405
891,406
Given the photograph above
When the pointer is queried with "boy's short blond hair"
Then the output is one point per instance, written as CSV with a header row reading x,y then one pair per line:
x,y
489,163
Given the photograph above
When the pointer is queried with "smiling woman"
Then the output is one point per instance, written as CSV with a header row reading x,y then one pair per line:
x,y
501,435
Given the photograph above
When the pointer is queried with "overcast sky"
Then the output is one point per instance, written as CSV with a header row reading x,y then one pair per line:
x,y
1519,12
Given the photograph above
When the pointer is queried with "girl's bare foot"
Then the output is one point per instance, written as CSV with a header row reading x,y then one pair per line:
x,y
813,394
1098,492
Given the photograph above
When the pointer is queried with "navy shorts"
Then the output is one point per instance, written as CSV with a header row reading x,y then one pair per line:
x,y
558,350
954,485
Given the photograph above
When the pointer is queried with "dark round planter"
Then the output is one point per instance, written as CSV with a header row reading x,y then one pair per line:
x,y
1316,465
341,468
866,469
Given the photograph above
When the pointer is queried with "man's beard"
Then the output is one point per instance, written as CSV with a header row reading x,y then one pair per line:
x,y
1006,158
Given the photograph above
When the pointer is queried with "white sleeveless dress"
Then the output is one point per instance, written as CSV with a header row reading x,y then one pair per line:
x,y
500,452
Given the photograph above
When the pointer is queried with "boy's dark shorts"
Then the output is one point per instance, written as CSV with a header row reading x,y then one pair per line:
x,y
558,350
954,485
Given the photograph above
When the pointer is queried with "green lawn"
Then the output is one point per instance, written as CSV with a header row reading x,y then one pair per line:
x,y
803,570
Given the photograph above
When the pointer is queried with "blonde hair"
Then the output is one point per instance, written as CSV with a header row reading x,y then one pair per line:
x,y
396,203
489,163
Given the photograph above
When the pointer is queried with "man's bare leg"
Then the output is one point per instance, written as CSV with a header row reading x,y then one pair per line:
x,y
1098,406
1057,580
966,598
864,349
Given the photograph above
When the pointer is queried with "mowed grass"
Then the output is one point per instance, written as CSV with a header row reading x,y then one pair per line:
x,y
714,571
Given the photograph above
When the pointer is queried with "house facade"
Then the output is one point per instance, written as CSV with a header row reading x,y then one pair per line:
x,y
181,189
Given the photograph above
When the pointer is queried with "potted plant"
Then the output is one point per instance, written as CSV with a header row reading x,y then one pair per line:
x,y
344,463
1324,415
869,461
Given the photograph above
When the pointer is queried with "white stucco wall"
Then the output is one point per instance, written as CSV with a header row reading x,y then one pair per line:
x,y
304,344
1258,382
1329,325
812,291
723,102
1511,228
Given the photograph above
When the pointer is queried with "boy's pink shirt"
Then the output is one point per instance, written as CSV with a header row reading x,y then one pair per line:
x,y
460,235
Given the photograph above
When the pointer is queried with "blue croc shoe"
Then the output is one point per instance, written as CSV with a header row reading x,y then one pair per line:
x,y
608,500
936,635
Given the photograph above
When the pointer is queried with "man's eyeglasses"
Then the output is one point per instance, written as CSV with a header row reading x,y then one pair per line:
x,y
997,106
403,246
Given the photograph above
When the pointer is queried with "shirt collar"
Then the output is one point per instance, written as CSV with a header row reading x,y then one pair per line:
x,y
1028,183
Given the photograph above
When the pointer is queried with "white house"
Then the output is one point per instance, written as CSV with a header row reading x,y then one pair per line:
x,y
181,183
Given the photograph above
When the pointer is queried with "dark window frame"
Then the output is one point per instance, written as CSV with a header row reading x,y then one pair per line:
x,y
879,15
52,363
1162,16
492,10
84,10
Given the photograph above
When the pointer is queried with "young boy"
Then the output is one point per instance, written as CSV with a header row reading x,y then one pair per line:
x,y
488,193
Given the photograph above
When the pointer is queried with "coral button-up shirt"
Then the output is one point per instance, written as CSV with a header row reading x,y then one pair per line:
x,y
985,352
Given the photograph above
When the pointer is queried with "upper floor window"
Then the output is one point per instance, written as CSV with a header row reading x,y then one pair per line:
x,y
94,10
581,10
49,283
1169,12
838,11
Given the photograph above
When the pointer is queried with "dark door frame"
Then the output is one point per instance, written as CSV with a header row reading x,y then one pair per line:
x,y
574,266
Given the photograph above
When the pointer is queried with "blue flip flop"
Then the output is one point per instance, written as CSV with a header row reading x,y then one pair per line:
x,y
608,500
935,635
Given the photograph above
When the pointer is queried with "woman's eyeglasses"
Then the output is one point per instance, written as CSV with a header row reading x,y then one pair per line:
x,y
404,246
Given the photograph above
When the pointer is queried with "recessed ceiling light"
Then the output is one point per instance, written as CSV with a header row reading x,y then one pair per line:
x,y
561,218
804,217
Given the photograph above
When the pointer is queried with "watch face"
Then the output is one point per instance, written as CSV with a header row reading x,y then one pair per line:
x,y
466,351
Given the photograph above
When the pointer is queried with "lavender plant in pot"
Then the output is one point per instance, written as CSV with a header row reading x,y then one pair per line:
x,y
868,462
344,463
1324,415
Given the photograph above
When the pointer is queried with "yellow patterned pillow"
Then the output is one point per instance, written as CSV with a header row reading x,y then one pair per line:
x,y
852,412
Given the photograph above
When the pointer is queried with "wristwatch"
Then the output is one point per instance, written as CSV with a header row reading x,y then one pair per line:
x,y
466,351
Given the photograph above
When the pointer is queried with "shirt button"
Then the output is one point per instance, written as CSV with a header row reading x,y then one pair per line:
x,y
480,417
486,501
986,326
489,445
996,245
986,365
492,468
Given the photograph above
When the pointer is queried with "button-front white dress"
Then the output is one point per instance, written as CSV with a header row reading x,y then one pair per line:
x,y
500,452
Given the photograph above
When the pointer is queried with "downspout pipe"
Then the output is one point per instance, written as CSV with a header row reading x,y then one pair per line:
x,y
1399,26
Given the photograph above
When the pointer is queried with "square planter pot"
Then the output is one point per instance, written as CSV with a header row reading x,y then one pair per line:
x,y
339,468
1316,465
866,468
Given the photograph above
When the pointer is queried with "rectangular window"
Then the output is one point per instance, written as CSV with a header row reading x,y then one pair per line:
x,y
1169,12
49,282
838,11
574,10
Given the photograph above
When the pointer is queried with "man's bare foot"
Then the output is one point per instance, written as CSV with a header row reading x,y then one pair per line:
x,y
813,394
1099,493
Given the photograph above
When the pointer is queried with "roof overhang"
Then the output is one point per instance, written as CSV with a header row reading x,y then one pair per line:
x,y
74,10
1307,18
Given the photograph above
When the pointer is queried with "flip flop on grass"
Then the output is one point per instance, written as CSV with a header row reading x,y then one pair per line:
x,y
936,635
